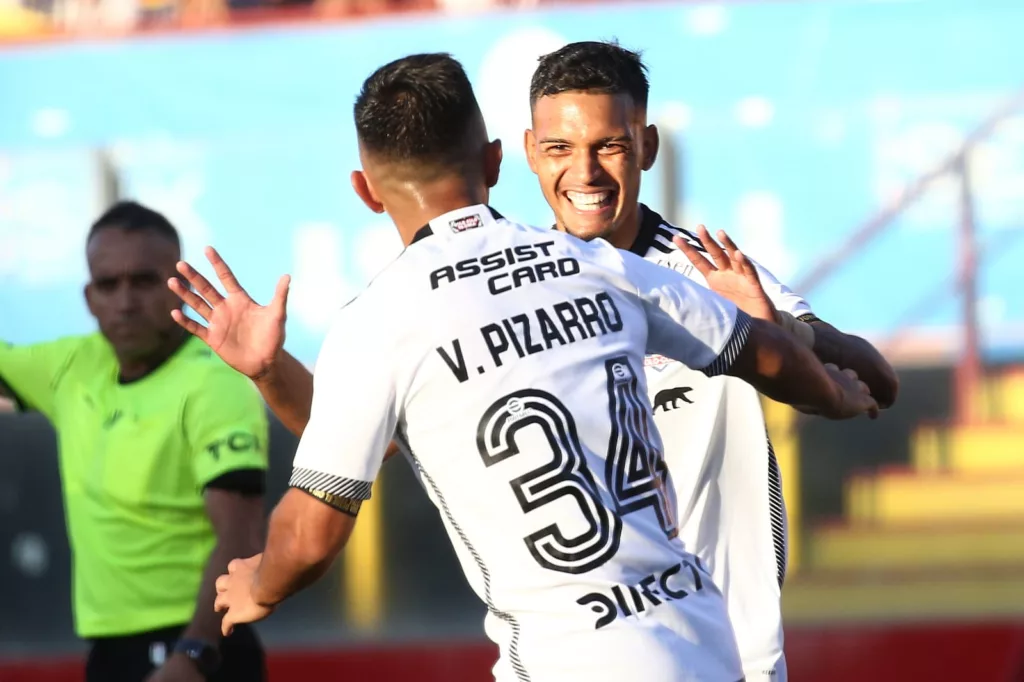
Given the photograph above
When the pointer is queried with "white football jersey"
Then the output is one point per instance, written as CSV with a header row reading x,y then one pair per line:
x,y
507,363
729,491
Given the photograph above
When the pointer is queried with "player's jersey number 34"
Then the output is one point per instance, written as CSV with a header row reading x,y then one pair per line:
x,y
635,472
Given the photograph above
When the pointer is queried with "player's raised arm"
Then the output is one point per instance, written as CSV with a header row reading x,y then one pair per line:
x,y
250,338
247,336
709,333
730,273
352,421
847,350
777,365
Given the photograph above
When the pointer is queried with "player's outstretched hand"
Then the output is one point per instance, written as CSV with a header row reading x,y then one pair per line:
x,y
854,396
729,273
234,595
243,333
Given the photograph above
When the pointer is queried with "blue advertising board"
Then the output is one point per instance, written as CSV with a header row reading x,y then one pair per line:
x,y
796,122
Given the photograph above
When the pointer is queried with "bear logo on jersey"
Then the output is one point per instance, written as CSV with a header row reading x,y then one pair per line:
x,y
669,396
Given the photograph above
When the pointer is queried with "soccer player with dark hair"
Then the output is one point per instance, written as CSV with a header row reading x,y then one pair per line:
x,y
506,362
589,145
162,452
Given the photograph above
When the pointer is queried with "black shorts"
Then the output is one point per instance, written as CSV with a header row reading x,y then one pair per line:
x,y
131,658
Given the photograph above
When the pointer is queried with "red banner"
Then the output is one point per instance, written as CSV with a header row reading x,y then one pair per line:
x,y
986,652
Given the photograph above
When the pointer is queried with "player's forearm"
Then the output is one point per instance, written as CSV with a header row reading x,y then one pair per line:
x,y
853,352
288,389
777,365
303,539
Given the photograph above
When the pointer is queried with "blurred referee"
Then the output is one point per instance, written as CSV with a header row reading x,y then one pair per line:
x,y
163,453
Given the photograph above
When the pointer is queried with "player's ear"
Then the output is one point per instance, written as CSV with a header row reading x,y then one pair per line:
x,y
651,142
530,144
361,184
492,162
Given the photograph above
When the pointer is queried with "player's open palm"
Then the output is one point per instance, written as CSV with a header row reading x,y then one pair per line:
x,y
245,334
729,273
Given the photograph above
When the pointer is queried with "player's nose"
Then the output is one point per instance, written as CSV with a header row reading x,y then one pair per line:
x,y
586,168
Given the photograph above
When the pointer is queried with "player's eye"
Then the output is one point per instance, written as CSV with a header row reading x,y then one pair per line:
x,y
105,285
614,148
557,149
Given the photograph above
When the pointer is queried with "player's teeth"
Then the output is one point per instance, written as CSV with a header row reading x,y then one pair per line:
x,y
582,200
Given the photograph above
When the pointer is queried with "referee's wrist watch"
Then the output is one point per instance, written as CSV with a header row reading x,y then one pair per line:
x,y
203,655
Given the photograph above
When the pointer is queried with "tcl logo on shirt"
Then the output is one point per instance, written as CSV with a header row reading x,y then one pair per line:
x,y
238,441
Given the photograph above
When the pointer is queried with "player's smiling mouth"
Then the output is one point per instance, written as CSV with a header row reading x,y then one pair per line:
x,y
591,202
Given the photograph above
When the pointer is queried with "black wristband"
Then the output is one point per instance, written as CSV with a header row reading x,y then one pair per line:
x,y
809,318
203,655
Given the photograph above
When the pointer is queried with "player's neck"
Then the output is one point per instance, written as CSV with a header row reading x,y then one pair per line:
x,y
629,230
419,204
133,369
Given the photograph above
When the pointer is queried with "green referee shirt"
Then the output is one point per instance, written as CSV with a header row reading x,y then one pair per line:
x,y
134,459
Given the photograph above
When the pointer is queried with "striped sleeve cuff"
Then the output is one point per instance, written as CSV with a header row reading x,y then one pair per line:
x,y
732,348
319,482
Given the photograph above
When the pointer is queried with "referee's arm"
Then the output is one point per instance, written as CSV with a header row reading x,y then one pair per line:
x,y
29,374
227,430
6,399
237,520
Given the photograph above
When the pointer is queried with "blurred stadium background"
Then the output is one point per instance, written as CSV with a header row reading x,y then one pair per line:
x,y
871,153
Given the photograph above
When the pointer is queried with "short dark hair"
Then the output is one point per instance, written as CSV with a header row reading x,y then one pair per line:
x,y
603,68
133,216
419,109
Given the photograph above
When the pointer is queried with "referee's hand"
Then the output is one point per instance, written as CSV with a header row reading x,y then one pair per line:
x,y
246,335
234,595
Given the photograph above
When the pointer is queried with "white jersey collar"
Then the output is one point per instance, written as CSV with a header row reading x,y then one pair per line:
x,y
459,220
